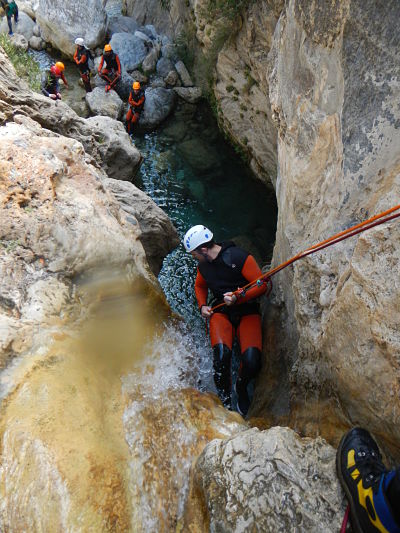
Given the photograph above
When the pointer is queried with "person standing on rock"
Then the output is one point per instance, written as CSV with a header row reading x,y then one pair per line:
x,y
222,269
11,10
112,71
51,81
81,58
136,103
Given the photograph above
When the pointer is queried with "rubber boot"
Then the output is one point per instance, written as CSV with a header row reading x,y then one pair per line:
x,y
222,373
249,368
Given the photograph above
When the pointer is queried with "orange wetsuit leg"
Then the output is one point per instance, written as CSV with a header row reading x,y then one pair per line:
x,y
221,330
249,332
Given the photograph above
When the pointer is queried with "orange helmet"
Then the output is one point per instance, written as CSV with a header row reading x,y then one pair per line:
x,y
60,66
108,48
136,85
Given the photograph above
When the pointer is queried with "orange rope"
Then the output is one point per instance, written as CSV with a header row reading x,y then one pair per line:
x,y
376,220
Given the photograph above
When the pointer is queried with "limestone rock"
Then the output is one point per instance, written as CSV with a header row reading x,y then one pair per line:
x,y
158,235
20,42
121,24
139,76
189,94
103,139
150,61
24,27
130,49
144,37
158,105
164,67
265,481
183,74
115,148
168,50
61,23
172,78
29,7
158,82
124,85
107,104
36,30
36,43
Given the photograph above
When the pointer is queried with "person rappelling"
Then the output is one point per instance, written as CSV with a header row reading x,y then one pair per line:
x,y
111,73
81,58
222,268
136,103
50,84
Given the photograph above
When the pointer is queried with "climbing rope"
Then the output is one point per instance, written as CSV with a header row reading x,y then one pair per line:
x,y
345,519
376,220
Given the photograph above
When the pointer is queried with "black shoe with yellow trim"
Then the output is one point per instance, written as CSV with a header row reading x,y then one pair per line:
x,y
365,481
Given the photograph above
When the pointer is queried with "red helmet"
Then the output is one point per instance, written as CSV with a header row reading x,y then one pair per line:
x,y
55,70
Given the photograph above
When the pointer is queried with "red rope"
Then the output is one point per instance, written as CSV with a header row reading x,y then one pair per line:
x,y
376,220
345,520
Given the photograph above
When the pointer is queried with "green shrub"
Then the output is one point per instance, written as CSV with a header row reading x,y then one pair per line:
x,y
230,88
25,66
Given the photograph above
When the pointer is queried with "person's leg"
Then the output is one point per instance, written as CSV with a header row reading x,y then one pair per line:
x,y
128,120
372,491
250,340
16,15
9,26
221,335
86,81
114,80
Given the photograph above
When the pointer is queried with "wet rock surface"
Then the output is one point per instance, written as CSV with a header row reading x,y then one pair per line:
x,y
265,481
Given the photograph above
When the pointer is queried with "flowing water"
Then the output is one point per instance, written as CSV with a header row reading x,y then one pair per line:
x,y
82,453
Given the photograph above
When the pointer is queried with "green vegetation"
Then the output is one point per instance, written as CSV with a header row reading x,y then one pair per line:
x,y
230,88
228,9
25,66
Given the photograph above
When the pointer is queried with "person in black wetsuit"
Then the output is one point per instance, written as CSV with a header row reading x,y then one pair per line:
x,y
81,58
111,73
136,103
222,269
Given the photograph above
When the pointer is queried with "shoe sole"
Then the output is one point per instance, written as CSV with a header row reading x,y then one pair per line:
x,y
355,524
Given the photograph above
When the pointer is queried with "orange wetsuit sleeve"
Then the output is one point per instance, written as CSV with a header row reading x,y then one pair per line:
x,y
138,103
76,56
101,63
252,271
201,289
130,99
119,64
82,60
63,79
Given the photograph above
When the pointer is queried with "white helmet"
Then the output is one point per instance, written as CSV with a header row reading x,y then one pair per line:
x,y
79,41
196,236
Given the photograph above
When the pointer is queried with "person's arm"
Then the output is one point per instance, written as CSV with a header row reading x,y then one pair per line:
x,y
101,64
64,79
138,103
131,101
250,271
201,290
119,64
82,60
76,57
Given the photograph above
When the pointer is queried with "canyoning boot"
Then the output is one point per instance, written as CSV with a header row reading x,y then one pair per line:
x,y
365,481
222,357
243,400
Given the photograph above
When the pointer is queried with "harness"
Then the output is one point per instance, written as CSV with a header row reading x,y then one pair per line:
x,y
136,97
111,62
83,67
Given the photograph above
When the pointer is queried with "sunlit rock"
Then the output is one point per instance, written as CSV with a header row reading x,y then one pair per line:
x,y
103,103
62,22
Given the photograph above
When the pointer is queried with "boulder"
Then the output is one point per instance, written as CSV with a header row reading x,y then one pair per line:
x,y
164,67
158,105
36,43
183,74
107,104
265,481
121,25
168,51
150,30
200,156
62,22
124,85
158,82
145,38
150,61
172,78
139,76
24,27
190,94
19,41
158,235
36,30
130,49
29,7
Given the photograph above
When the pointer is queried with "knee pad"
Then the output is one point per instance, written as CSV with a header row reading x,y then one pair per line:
x,y
250,364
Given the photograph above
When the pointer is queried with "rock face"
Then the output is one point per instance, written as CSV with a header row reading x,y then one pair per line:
x,y
130,49
158,105
107,104
158,235
265,481
62,22
105,140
